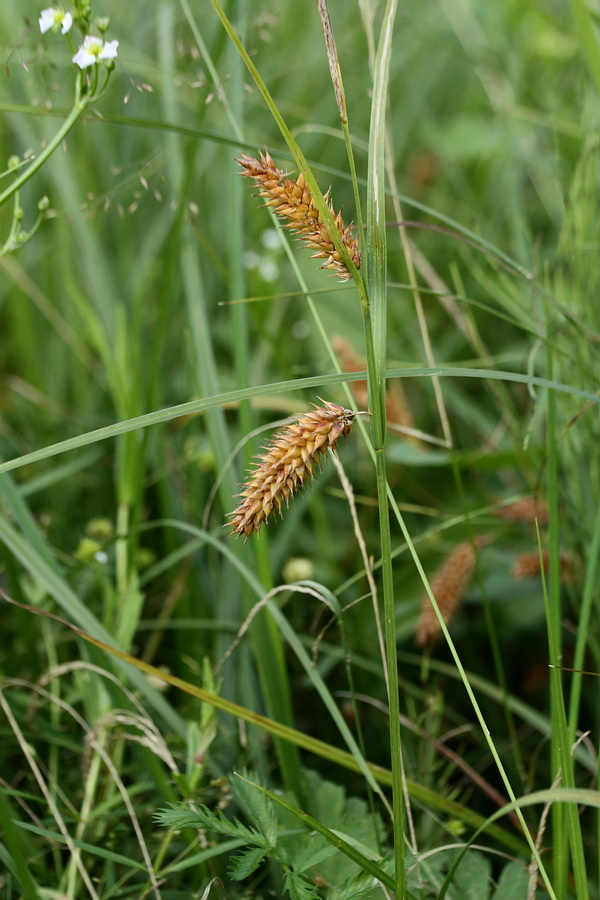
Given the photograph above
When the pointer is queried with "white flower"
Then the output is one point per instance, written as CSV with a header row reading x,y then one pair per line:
x,y
94,49
54,18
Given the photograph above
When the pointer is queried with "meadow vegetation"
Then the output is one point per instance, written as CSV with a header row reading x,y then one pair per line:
x,y
254,644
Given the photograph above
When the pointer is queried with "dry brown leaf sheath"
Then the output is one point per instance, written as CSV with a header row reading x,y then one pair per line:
x,y
293,201
289,462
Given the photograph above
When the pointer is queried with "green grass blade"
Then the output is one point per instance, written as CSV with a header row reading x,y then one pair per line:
x,y
18,850
375,321
52,582
281,387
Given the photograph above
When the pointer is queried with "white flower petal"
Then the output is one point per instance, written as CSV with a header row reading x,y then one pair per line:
x,y
66,23
93,50
46,19
92,44
83,59
109,50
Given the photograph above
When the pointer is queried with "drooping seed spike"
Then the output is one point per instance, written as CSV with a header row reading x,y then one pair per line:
x,y
287,464
293,201
449,585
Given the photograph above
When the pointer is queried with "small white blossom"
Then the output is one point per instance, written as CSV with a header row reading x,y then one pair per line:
x,y
54,18
94,49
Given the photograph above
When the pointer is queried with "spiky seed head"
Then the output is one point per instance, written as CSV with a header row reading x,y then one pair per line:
x,y
448,585
528,509
293,201
288,463
530,565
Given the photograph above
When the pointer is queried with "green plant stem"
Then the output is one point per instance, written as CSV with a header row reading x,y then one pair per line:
x,y
389,608
47,152
340,95
589,588
584,19
566,819
303,165
357,203
375,324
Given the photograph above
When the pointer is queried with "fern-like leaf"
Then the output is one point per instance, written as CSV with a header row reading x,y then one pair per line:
x,y
299,889
246,863
257,806
361,886
202,817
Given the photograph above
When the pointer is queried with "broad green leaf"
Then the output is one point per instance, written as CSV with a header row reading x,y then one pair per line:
x,y
473,878
513,883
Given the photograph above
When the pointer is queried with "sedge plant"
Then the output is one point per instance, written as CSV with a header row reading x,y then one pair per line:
x,y
146,616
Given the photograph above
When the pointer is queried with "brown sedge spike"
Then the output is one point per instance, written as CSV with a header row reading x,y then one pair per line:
x,y
448,585
529,565
288,463
526,510
293,201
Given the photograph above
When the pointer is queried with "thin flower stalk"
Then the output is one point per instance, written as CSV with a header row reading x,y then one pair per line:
x,y
294,202
288,463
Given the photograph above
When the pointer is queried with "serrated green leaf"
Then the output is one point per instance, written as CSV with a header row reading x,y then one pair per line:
x,y
513,883
299,889
202,817
246,863
473,877
356,888
257,806
327,798
310,851
339,843
347,817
